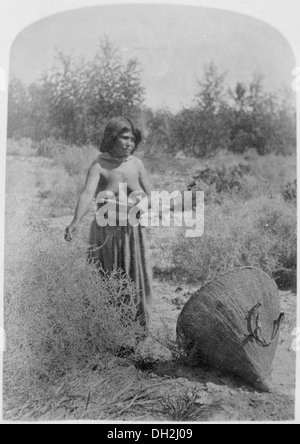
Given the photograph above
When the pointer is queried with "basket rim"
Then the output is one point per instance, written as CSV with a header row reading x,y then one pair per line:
x,y
239,269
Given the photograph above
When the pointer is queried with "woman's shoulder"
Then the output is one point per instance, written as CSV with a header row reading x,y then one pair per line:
x,y
101,162
137,160
96,165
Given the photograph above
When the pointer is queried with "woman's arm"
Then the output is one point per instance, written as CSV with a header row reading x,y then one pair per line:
x,y
145,182
85,200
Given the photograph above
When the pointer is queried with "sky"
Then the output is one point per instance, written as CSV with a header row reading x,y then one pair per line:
x,y
172,43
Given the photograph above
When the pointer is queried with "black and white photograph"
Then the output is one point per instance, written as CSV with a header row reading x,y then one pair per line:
x,y
149,260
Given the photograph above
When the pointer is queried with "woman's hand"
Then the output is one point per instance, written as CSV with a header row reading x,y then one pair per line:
x,y
70,231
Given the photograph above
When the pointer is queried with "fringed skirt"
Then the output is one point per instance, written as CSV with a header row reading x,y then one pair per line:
x,y
125,248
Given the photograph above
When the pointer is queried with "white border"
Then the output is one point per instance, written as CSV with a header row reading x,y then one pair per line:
x,y
15,15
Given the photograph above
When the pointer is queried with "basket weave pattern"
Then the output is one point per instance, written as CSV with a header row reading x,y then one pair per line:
x,y
232,324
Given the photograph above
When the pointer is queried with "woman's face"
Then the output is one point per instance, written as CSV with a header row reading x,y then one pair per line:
x,y
124,145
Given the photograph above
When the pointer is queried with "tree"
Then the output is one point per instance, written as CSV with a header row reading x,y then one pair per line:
x,y
260,120
18,110
202,130
212,112
74,100
110,88
284,134
62,92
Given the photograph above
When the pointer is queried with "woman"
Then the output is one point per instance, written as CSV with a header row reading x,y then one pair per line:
x,y
118,247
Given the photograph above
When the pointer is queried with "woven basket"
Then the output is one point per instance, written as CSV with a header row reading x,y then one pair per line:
x,y
232,324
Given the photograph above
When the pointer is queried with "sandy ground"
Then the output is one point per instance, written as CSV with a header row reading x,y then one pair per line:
x,y
239,402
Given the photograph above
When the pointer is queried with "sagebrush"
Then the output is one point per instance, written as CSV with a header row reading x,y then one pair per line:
x,y
259,233
60,310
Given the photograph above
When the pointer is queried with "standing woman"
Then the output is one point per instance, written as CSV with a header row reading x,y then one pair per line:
x,y
118,247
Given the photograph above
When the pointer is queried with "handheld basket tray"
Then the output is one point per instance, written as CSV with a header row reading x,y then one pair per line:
x,y
232,324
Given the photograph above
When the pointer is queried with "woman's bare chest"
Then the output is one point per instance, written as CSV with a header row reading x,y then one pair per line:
x,y
125,174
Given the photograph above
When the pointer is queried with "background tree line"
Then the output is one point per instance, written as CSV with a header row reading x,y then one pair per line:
x,y
75,99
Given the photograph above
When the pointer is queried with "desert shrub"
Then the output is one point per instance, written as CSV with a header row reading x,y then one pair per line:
x,y
62,198
223,174
76,160
268,175
225,178
289,192
71,164
182,407
49,147
274,171
260,233
23,147
242,177
59,310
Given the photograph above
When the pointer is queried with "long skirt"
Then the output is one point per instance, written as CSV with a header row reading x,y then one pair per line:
x,y
125,248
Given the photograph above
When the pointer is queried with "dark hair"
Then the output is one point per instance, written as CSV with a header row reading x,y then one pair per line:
x,y
113,130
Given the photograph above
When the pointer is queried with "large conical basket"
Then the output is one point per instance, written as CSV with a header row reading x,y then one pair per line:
x,y
232,324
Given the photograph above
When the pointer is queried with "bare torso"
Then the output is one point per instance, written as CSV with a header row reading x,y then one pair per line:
x,y
114,173
107,173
